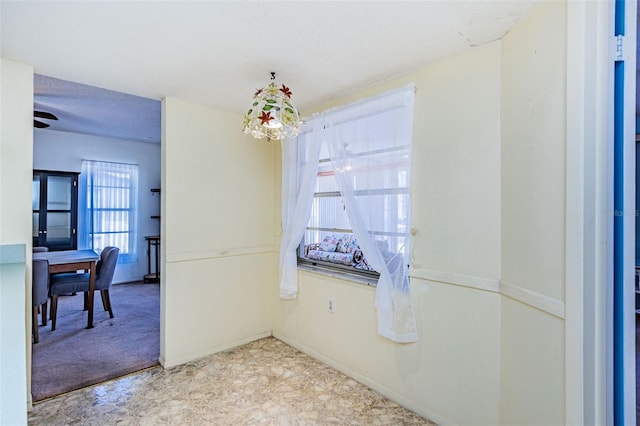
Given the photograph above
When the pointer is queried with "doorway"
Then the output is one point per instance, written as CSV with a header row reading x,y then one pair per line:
x,y
89,128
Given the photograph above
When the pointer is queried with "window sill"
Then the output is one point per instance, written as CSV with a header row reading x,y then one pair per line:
x,y
336,272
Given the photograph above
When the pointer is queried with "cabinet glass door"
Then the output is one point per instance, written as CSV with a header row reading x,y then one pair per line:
x,y
59,189
55,196
35,205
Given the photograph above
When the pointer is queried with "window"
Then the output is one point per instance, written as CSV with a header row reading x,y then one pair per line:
x,y
345,191
109,198
377,168
384,174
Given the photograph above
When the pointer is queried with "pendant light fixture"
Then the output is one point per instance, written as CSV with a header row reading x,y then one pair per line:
x,y
272,113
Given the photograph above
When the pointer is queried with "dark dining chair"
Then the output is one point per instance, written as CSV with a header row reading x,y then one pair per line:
x,y
40,249
39,293
63,284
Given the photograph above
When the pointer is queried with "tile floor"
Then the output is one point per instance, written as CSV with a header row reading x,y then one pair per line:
x,y
265,382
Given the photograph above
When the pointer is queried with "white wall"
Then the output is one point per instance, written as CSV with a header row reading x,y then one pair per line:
x,y
217,227
63,151
16,151
452,374
533,218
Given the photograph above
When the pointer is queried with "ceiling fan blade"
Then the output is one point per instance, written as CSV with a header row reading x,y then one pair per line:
x,y
43,114
39,124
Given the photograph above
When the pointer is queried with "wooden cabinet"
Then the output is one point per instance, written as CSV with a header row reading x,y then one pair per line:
x,y
55,209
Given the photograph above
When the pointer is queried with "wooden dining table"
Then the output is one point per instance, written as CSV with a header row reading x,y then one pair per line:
x,y
72,261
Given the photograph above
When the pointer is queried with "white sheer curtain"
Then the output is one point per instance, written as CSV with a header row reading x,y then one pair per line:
x,y
370,146
108,208
369,143
299,173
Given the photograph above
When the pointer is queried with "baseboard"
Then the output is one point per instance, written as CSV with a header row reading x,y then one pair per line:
x,y
381,389
211,350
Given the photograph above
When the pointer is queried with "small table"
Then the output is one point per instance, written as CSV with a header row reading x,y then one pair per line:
x,y
71,261
152,240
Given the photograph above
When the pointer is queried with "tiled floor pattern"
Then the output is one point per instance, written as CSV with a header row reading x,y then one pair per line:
x,y
265,382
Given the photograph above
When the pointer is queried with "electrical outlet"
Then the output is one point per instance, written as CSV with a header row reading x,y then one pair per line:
x,y
332,306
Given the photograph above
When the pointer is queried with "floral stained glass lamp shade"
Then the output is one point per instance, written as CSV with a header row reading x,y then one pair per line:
x,y
272,114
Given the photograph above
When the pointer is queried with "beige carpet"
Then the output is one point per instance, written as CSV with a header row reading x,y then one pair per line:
x,y
72,357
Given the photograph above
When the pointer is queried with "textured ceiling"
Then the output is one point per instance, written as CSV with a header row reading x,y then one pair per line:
x,y
91,110
218,52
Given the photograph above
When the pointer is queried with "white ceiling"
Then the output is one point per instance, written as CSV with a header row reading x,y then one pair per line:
x,y
218,52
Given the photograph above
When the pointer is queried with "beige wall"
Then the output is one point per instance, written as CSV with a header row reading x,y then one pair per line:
x,y
452,374
487,260
16,156
487,204
533,152
217,232
533,218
